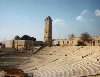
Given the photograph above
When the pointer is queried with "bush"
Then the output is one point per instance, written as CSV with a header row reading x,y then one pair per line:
x,y
80,43
84,39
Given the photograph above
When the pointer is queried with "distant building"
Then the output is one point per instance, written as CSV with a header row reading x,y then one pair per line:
x,y
22,45
96,41
66,42
73,41
48,31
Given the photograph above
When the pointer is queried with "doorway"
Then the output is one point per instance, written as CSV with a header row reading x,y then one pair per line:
x,y
93,43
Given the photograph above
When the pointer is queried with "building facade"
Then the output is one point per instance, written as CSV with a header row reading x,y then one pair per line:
x,y
66,42
96,41
73,41
21,45
48,31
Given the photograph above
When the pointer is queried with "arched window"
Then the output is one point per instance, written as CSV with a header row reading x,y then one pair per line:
x,y
67,42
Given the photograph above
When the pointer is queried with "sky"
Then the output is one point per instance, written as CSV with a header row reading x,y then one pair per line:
x,y
26,17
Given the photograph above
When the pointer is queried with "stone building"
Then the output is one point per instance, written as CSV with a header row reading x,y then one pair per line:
x,y
48,31
96,41
73,41
66,42
17,43
8,43
21,45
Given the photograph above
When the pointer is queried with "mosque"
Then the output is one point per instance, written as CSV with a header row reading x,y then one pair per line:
x,y
51,58
48,40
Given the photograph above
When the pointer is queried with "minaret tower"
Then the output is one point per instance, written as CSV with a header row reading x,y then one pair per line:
x,y
48,31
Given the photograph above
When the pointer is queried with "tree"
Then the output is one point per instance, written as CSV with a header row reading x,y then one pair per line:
x,y
84,39
26,37
17,37
32,38
71,36
80,43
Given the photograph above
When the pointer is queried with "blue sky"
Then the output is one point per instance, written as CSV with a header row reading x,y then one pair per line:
x,y
19,17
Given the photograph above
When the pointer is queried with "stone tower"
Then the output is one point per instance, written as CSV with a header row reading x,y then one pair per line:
x,y
48,31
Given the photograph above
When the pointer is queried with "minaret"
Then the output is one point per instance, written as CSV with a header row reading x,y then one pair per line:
x,y
48,31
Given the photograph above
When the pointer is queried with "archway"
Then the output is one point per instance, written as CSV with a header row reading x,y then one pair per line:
x,y
93,43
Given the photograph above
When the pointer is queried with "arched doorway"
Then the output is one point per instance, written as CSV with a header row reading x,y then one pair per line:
x,y
93,43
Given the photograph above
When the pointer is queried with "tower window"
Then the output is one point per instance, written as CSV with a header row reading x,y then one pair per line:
x,y
46,22
63,42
